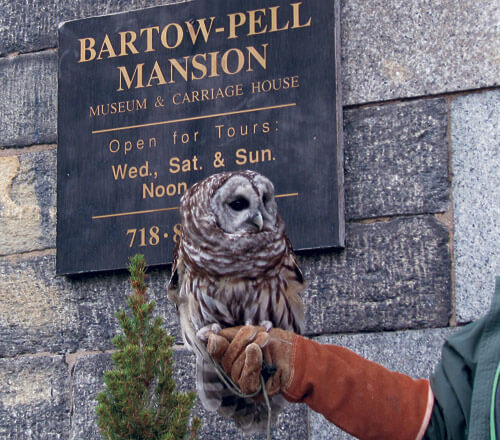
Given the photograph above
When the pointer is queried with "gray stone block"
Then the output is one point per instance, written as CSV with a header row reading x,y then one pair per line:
x,y
34,398
415,353
29,99
393,49
30,26
475,134
36,312
87,382
396,159
27,202
40,312
393,274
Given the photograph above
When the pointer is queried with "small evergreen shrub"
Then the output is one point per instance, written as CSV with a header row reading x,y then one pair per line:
x,y
140,400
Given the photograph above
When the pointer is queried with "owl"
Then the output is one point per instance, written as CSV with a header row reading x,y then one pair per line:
x,y
234,265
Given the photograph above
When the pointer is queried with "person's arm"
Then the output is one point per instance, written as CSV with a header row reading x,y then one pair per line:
x,y
361,397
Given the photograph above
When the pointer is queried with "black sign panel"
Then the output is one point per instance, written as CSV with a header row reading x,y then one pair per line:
x,y
152,101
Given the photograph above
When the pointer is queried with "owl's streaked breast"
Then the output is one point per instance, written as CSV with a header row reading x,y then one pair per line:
x,y
234,301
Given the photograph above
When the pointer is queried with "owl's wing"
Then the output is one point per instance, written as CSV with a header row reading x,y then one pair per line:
x,y
295,286
177,271
292,262
208,385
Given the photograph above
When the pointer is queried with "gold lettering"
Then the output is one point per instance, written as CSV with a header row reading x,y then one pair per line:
x,y
84,48
201,27
244,157
199,66
241,158
149,37
148,191
196,67
164,35
94,111
233,23
253,20
127,43
261,59
156,74
151,190
174,165
107,47
122,171
224,62
119,172
274,20
128,81
177,165
183,71
141,105
296,17
213,64
115,146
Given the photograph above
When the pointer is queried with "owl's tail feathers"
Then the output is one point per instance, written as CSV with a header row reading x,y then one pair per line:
x,y
251,416
248,415
208,385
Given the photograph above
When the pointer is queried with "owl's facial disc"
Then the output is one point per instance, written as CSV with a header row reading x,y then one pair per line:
x,y
243,207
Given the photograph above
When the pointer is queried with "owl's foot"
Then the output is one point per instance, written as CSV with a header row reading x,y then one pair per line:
x,y
203,332
268,325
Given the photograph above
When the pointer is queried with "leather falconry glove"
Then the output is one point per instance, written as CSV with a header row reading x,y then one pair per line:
x,y
361,397
247,352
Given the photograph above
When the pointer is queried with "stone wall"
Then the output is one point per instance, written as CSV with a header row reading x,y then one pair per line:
x,y
422,152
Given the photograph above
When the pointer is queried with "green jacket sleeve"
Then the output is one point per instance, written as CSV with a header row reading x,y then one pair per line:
x,y
463,381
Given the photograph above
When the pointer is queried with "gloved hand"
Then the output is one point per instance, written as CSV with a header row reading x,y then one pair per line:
x,y
242,351
361,397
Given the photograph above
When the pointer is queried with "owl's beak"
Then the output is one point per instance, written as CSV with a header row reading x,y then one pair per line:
x,y
256,220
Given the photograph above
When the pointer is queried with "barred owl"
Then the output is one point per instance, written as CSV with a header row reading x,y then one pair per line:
x,y
234,265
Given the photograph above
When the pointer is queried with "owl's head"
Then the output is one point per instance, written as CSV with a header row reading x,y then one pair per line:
x,y
231,226
244,203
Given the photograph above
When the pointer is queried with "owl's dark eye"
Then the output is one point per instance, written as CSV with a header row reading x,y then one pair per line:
x,y
239,204
265,198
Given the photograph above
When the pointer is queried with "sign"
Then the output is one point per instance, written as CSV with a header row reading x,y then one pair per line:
x,y
152,101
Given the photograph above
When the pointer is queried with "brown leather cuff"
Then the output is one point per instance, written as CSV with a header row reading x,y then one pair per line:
x,y
295,369
361,397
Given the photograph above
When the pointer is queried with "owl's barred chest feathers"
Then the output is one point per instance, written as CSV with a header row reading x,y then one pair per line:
x,y
233,302
238,299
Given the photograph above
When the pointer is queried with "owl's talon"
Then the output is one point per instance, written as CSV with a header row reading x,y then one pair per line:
x,y
203,332
268,325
